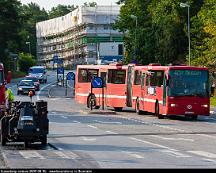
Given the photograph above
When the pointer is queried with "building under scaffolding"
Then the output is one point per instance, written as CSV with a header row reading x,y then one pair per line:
x,y
76,37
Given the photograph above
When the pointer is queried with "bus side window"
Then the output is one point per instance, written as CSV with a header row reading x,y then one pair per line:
x,y
116,76
91,74
82,75
156,78
137,78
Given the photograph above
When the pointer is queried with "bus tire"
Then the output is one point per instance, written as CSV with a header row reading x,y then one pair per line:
x,y
194,117
157,112
118,109
138,111
93,100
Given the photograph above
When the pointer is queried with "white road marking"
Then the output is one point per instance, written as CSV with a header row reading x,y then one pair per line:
x,y
60,149
92,126
72,155
209,160
209,136
38,95
204,154
168,149
133,154
76,121
88,139
111,132
64,117
31,154
62,155
173,139
107,122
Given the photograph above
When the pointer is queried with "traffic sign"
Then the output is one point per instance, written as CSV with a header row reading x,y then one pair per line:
x,y
60,70
55,59
97,82
70,76
60,61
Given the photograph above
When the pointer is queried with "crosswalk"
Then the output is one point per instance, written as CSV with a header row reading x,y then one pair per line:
x,y
67,154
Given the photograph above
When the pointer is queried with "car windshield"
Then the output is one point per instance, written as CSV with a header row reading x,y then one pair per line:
x,y
36,70
188,83
32,78
26,83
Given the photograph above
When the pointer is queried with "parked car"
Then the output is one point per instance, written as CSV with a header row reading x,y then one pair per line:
x,y
24,86
39,72
35,80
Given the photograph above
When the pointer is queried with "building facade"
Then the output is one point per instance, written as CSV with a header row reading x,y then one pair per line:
x,y
76,37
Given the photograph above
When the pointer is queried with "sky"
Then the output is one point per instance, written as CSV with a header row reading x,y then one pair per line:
x,y
48,4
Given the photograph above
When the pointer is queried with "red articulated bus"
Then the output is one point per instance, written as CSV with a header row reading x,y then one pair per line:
x,y
114,77
170,90
2,88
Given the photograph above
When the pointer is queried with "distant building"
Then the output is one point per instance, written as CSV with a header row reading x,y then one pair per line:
x,y
80,37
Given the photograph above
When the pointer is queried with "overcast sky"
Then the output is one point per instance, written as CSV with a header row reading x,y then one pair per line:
x,y
48,4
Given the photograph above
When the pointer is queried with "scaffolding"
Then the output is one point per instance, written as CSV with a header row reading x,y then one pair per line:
x,y
75,36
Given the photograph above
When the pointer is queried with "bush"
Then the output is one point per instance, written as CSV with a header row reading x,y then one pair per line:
x,y
26,61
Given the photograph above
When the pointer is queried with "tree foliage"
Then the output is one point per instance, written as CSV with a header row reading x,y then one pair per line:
x,y
61,10
161,33
25,61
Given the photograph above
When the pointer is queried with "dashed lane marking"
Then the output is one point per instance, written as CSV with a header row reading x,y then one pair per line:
x,y
94,127
167,150
107,122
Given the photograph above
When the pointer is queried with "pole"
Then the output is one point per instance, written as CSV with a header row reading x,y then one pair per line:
x,y
135,39
189,34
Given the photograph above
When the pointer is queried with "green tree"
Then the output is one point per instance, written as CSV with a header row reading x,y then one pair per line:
x,y
9,25
61,10
90,4
204,31
25,61
30,14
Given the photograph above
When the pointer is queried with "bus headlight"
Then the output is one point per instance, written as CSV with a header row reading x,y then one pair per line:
x,y
173,105
20,89
205,106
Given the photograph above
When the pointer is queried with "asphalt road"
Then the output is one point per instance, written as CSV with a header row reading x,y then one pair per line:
x,y
80,139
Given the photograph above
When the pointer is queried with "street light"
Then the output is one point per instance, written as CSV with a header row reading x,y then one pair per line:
x,y
188,6
29,43
135,18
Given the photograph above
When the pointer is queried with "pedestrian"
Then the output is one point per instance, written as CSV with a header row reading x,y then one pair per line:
x,y
9,98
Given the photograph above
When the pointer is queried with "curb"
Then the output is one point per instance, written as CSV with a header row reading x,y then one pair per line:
x,y
101,112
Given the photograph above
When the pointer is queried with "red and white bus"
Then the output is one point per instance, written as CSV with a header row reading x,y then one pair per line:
x,y
114,77
171,90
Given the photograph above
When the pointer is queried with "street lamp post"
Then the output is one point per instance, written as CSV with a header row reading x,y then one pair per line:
x,y
29,44
188,6
135,18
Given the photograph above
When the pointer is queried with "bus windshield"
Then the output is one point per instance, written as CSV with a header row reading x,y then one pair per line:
x,y
188,83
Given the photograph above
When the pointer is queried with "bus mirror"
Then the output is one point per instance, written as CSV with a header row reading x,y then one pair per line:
x,y
9,76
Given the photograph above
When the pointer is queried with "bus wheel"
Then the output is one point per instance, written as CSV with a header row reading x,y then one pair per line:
x,y
157,111
118,109
194,117
93,101
137,107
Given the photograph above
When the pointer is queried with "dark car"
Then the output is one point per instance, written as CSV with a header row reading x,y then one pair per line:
x,y
24,86
35,80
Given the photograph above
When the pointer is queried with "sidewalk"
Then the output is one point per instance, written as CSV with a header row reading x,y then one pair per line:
x,y
60,91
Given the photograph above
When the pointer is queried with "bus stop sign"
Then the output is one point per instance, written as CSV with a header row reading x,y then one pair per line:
x,y
70,76
60,70
97,82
